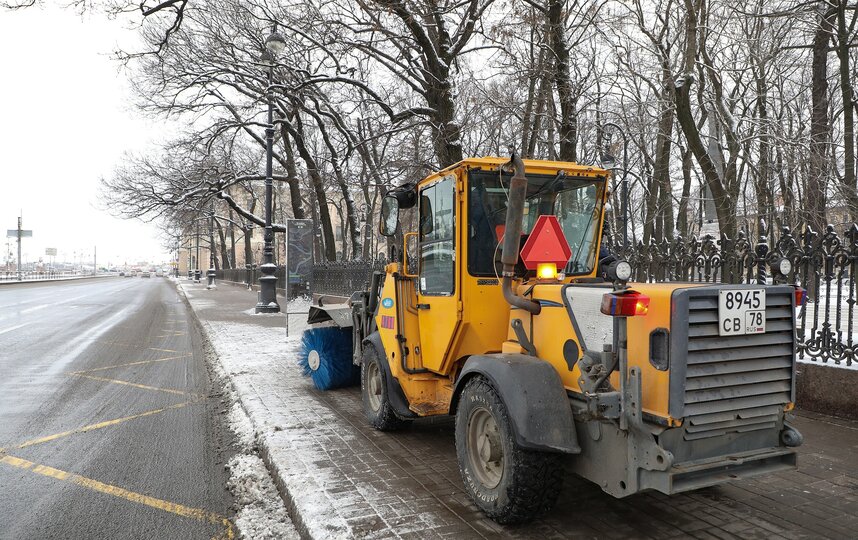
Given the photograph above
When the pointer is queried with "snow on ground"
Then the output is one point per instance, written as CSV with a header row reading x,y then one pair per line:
x,y
246,355
243,429
261,513
246,352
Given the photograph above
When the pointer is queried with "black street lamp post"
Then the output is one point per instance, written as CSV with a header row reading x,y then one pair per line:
x,y
267,300
197,272
211,273
609,162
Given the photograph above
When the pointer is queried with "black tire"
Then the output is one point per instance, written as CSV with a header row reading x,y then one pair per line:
x,y
374,394
527,482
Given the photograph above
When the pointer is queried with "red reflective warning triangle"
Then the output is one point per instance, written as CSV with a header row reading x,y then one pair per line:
x,y
546,244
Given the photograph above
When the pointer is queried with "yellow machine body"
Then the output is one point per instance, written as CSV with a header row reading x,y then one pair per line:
x,y
439,332
651,430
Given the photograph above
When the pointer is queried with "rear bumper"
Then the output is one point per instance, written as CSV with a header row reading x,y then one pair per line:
x,y
710,472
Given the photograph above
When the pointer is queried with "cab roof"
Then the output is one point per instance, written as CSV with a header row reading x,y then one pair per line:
x,y
534,166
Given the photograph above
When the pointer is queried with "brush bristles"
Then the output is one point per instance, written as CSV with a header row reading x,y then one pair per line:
x,y
334,347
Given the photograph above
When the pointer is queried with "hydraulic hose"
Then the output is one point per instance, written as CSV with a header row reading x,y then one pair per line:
x,y
512,236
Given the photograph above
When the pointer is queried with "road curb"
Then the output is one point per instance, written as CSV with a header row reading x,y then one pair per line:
x,y
261,441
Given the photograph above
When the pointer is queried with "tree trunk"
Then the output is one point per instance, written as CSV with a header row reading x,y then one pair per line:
x,y
724,200
661,168
763,185
292,173
224,252
231,227
330,248
568,124
682,211
447,134
820,128
847,183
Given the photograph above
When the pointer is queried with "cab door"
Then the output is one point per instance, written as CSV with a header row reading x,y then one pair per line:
x,y
437,295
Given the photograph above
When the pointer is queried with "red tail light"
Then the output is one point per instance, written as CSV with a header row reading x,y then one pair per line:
x,y
628,304
800,296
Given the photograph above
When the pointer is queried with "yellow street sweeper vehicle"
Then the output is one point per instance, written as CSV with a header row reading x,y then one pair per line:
x,y
497,311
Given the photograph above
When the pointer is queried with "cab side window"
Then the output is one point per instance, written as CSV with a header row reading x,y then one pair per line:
x,y
437,237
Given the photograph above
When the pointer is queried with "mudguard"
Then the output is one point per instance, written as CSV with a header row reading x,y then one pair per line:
x,y
394,390
534,397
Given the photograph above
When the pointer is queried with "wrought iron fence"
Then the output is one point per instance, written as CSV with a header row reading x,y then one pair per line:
x,y
342,278
823,263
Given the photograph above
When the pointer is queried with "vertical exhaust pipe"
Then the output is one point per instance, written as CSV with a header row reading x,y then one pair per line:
x,y
512,236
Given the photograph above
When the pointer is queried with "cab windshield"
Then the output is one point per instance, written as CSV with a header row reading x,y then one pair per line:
x,y
576,201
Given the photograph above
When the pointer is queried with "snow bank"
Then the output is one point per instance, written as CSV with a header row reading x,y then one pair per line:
x,y
261,514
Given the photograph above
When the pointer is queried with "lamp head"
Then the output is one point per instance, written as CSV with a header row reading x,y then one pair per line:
x,y
275,43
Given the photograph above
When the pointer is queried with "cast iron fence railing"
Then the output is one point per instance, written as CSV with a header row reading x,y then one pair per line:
x,y
342,278
825,264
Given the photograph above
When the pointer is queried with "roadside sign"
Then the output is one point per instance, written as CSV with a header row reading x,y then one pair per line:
x,y
299,256
51,252
14,233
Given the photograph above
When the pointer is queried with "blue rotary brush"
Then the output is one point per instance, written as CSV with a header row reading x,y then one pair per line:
x,y
326,356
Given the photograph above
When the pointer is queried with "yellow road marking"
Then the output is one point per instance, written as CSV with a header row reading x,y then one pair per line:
x,y
100,425
131,364
162,350
143,386
115,491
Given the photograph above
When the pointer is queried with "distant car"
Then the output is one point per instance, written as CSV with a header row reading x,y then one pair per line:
x,y
159,274
121,274
146,274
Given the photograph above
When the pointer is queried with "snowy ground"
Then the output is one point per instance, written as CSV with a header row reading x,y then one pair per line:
x,y
260,513
283,435
243,352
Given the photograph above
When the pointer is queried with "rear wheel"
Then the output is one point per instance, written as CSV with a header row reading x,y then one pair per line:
x,y
508,483
375,395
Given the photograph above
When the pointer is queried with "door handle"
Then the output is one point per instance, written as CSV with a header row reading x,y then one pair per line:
x,y
423,306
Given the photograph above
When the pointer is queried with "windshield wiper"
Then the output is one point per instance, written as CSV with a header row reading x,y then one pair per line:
x,y
550,184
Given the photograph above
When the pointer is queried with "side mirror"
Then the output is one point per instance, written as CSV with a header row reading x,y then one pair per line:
x,y
389,216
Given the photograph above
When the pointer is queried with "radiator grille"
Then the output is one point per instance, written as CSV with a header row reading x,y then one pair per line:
x,y
737,383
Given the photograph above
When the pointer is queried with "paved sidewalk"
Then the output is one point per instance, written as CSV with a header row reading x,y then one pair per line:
x,y
342,479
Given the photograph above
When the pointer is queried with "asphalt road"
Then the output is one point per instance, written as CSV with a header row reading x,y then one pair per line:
x,y
110,426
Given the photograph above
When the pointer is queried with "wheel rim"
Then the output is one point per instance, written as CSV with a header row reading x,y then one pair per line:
x,y
485,449
373,386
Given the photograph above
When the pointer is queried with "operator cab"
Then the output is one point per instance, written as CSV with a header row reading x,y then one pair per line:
x,y
576,201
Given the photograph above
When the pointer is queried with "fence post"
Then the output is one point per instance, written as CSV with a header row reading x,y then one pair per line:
x,y
762,251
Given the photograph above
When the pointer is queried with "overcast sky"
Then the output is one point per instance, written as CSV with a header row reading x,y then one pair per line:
x,y
67,118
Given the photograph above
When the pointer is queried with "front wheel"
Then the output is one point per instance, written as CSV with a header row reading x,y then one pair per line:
x,y
508,483
375,394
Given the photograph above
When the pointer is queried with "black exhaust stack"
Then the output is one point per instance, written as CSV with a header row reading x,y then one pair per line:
x,y
512,236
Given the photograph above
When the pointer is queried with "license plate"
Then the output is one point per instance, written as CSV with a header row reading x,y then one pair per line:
x,y
741,311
